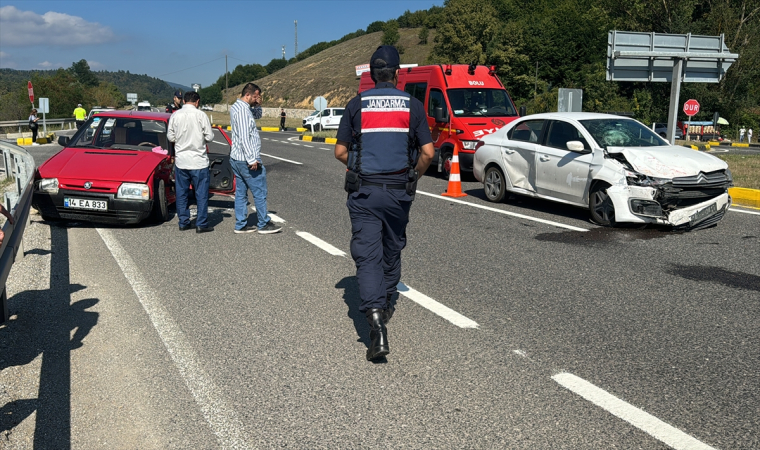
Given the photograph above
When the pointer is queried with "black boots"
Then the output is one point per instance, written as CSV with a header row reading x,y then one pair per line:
x,y
389,309
378,334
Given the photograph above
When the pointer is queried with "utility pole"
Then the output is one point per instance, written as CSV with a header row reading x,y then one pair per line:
x,y
535,88
296,48
226,79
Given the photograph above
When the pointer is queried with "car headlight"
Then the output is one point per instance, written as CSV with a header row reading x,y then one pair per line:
x,y
49,185
137,191
469,145
729,176
639,179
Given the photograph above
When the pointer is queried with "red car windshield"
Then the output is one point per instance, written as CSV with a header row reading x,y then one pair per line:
x,y
121,133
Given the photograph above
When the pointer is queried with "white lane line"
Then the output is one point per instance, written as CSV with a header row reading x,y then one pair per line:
x,y
642,420
432,305
220,417
295,143
501,211
320,243
310,146
220,143
283,159
745,212
276,218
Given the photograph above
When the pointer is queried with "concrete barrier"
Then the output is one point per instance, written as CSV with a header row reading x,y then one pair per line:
x,y
745,197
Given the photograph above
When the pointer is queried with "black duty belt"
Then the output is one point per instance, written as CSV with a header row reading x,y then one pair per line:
x,y
385,185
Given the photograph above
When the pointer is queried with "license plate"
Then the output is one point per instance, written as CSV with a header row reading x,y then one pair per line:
x,y
703,214
85,203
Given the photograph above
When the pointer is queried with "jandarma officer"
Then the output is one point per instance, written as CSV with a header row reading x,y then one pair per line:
x,y
385,142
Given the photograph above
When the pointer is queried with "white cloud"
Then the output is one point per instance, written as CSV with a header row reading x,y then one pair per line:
x,y
94,65
4,55
49,65
26,28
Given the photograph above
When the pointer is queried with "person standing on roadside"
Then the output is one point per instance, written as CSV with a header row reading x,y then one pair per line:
x,y
390,146
749,136
33,126
190,130
282,119
80,115
176,103
741,133
245,158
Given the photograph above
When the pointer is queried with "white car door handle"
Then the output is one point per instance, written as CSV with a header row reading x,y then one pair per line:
x,y
544,158
507,151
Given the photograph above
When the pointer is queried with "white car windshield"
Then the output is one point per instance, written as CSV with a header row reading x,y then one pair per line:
x,y
622,133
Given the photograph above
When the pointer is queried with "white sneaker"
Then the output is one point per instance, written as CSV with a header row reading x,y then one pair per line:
x,y
35,143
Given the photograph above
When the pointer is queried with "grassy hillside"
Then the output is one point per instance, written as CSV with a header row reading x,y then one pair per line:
x,y
331,73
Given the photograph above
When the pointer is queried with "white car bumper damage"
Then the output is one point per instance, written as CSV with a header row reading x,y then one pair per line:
x,y
690,216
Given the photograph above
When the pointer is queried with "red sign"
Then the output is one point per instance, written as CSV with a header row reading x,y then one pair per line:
x,y
691,107
31,92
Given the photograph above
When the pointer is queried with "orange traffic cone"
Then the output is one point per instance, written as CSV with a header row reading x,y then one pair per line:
x,y
455,181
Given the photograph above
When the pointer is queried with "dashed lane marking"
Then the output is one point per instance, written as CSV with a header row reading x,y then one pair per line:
x,y
310,146
220,143
640,419
437,308
274,217
295,143
220,416
283,159
320,243
501,211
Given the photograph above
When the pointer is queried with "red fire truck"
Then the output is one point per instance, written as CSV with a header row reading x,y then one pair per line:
x,y
463,104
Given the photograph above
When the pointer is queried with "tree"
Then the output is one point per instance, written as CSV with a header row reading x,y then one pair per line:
x,y
275,65
390,33
375,26
423,35
81,70
211,95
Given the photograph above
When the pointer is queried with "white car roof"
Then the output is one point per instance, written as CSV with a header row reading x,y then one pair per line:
x,y
575,116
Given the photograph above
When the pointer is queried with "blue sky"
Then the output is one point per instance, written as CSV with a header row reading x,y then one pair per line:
x,y
181,41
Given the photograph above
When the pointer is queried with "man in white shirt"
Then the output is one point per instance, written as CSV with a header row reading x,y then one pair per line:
x,y
190,129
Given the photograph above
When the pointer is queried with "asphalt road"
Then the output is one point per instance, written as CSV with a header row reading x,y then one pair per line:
x,y
557,333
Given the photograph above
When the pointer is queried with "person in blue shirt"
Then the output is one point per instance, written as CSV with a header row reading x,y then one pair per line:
x,y
385,143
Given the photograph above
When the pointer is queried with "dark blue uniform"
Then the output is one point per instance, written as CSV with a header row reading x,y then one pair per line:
x,y
379,210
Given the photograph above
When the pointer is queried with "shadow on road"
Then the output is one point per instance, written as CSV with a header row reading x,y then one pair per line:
x,y
43,327
351,296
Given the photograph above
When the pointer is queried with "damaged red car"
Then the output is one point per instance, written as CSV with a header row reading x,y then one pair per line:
x,y
118,168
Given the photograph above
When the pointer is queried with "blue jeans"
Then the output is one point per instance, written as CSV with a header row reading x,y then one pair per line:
x,y
199,178
255,181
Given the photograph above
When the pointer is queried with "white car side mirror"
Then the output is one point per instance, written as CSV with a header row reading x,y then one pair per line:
x,y
575,146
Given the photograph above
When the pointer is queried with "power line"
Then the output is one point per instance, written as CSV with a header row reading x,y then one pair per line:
x,y
182,70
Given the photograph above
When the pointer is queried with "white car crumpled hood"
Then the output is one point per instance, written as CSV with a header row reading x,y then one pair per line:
x,y
669,161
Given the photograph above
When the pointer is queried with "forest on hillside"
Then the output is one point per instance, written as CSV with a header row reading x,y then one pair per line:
x,y
539,46
77,84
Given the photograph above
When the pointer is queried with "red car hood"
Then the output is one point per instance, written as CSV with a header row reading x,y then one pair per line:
x,y
104,165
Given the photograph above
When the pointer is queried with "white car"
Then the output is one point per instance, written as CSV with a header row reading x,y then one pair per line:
x,y
615,166
329,119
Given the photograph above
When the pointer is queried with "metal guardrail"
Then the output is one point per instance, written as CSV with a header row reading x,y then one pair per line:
x,y
20,165
23,125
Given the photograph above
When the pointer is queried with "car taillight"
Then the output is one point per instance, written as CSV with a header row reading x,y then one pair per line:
x,y
479,144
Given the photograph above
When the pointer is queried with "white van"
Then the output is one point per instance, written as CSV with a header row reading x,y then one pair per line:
x,y
143,106
330,119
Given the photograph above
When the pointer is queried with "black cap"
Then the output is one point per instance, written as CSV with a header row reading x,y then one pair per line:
x,y
178,94
388,54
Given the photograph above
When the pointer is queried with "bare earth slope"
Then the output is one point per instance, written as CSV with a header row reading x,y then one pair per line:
x,y
331,73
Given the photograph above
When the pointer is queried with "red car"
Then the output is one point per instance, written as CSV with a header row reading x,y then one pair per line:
x,y
111,171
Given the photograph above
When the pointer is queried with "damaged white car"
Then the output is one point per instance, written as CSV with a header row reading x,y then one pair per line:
x,y
615,166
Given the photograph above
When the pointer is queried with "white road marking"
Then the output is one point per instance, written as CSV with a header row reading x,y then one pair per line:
x,y
276,218
310,146
745,212
438,308
501,211
220,143
642,420
220,416
295,143
320,243
520,352
283,159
